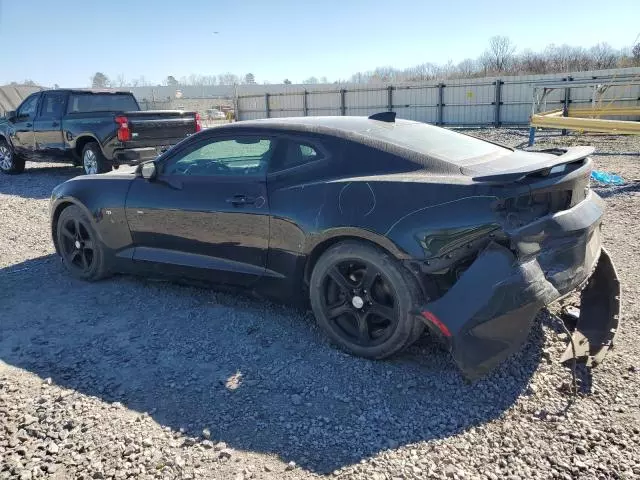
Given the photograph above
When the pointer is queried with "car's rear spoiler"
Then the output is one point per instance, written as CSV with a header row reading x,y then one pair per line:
x,y
568,155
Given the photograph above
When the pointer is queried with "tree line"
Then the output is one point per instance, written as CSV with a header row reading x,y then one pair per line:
x,y
501,57
100,80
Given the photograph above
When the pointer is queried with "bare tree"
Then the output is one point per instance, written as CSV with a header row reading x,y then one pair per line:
x,y
467,68
140,82
530,62
120,81
209,80
311,81
446,71
603,56
228,79
422,72
384,75
635,54
358,78
486,63
500,51
194,80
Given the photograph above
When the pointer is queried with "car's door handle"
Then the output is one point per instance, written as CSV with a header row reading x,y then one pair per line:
x,y
29,125
55,124
241,200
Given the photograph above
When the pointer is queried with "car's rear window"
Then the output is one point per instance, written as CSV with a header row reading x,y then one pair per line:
x,y
440,143
101,102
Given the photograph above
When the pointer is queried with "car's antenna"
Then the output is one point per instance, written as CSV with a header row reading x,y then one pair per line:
x,y
389,117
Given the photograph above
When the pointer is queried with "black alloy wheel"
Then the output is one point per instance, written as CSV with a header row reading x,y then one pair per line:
x,y
357,300
79,246
364,299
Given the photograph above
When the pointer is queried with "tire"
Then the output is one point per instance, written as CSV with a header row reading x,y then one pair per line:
x,y
78,244
10,162
93,161
363,299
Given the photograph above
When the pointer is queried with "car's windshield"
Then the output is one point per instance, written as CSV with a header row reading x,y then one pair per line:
x,y
101,102
461,150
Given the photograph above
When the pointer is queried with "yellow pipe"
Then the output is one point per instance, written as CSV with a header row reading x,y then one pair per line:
x,y
586,124
612,111
550,112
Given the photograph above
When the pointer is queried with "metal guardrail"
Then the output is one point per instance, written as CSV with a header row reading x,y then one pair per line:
x,y
586,119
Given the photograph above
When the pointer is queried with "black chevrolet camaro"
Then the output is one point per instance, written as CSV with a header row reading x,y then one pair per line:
x,y
387,227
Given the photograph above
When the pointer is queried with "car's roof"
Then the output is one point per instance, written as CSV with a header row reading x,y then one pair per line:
x,y
438,149
342,123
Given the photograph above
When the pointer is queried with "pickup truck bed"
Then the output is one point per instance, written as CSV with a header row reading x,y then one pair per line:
x,y
98,130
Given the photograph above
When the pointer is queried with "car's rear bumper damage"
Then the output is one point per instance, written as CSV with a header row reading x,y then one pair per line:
x,y
487,314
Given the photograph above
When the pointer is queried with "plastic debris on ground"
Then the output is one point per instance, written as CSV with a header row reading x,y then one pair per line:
x,y
606,178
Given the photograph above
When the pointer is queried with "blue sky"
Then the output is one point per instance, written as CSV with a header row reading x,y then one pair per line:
x,y
66,41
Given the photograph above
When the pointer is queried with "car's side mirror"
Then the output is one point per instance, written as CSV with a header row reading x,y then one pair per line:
x,y
148,171
11,115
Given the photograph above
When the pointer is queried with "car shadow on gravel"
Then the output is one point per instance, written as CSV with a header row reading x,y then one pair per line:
x,y
259,376
37,182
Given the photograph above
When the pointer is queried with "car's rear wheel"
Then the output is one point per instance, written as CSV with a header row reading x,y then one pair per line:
x,y
81,251
9,161
93,161
363,298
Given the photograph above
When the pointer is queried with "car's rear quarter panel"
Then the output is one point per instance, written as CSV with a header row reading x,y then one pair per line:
x,y
394,211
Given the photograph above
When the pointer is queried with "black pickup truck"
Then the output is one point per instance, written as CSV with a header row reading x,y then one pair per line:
x,y
99,130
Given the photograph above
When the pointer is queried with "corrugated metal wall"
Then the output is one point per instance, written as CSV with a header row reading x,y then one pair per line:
x,y
465,102
12,95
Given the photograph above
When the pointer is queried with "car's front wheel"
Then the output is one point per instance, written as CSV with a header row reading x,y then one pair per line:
x,y
363,299
9,161
81,250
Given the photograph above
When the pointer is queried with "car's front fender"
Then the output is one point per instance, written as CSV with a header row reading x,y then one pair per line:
x,y
103,201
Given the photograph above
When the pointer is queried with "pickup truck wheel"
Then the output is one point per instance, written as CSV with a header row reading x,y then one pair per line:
x,y
93,160
9,161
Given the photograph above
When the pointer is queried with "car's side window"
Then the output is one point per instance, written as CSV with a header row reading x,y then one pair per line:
x,y
247,155
295,153
28,108
53,105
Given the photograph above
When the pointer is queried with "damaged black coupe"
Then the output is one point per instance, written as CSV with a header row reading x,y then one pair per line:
x,y
387,226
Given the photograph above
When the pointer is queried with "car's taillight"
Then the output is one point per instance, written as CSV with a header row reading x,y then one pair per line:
x,y
198,122
124,134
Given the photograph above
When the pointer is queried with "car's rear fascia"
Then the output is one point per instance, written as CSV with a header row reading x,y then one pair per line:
x,y
488,312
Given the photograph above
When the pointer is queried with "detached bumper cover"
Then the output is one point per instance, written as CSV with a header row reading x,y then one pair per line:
x,y
488,313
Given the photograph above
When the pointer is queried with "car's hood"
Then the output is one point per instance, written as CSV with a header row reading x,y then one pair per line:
x,y
125,172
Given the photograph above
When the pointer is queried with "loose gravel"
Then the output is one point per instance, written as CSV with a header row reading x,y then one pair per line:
x,y
130,378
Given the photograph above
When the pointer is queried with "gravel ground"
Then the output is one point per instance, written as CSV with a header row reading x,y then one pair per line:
x,y
129,378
